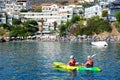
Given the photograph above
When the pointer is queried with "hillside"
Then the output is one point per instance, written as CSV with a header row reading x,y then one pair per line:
x,y
52,1
113,33
41,1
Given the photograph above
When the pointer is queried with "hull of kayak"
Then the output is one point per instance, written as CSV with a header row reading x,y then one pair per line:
x,y
62,66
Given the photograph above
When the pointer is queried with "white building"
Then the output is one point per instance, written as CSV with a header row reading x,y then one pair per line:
x,y
2,5
82,1
50,14
77,9
14,7
109,5
95,10
24,3
4,18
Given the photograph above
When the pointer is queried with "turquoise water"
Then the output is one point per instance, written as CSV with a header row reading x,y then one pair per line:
x,y
34,60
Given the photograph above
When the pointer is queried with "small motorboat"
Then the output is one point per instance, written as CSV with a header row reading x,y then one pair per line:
x,y
100,43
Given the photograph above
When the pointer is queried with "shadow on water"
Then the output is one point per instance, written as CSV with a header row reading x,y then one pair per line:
x,y
73,74
87,75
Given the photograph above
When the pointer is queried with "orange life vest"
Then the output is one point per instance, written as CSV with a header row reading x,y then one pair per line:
x,y
72,62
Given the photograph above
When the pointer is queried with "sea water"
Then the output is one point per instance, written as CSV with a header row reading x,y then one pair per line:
x,y
34,60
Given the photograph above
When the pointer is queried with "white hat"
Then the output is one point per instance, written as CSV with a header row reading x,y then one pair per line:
x,y
88,56
71,56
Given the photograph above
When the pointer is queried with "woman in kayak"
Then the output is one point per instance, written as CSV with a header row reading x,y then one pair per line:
x,y
89,63
72,61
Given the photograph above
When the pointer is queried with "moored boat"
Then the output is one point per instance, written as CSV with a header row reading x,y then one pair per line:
x,y
100,43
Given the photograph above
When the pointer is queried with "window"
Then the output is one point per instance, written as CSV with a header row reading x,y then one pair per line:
x,y
68,16
55,9
95,13
21,3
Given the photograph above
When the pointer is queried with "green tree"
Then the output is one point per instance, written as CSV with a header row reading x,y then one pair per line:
x,y
30,23
75,19
23,10
75,30
16,21
2,31
117,15
31,26
117,25
87,4
95,25
105,13
18,31
62,28
5,26
81,12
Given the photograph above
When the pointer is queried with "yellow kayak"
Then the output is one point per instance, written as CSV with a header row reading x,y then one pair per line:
x,y
65,66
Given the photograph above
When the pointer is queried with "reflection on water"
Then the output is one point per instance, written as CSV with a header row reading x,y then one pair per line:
x,y
34,60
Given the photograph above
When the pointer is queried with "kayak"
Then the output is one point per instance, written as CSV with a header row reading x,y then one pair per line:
x,y
63,66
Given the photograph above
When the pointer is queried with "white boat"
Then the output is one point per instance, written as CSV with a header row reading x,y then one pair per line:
x,y
100,43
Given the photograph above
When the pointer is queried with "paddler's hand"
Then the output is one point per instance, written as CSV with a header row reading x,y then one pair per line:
x,y
77,63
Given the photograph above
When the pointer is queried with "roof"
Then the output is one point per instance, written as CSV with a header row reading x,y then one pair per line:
x,y
21,0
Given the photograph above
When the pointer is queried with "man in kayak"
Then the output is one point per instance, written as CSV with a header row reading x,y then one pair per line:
x,y
72,61
89,63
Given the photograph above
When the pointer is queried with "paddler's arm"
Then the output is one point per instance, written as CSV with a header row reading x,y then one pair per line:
x,y
68,63
84,64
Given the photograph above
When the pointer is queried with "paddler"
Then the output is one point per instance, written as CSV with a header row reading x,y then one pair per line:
x,y
72,61
89,62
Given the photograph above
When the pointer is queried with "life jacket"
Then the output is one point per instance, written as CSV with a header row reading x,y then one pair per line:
x,y
90,63
72,62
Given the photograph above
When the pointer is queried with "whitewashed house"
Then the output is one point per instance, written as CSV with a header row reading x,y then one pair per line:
x,y
4,18
95,10
50,14
112,6
83,1
13,8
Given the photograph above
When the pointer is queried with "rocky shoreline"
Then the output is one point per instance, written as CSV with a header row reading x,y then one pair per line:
x,y
66,39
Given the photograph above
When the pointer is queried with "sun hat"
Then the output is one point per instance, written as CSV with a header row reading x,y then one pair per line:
x,y
71,56
88,56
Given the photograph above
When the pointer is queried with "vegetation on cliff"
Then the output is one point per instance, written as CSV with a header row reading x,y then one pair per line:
x,y
95,25
76,26
19,29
